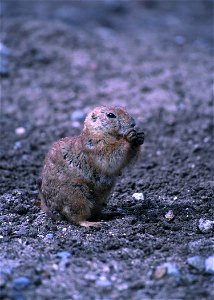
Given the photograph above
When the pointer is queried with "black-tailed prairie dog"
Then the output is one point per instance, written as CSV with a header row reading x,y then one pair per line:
x,y
79,172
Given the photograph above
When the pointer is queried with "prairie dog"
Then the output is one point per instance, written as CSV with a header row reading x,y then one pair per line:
x,y
79,172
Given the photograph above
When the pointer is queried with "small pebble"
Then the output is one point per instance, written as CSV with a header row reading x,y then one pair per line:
x,y
206,139
196,148
90,276
160,271
20,131
103,282
171,269
63,254
49,236
21,231
206,226
78,115
55,267
7,271
196,262
76,124
123,286
17,145
209,265
180,40
169,215
4,51
25,157
21,283
138,196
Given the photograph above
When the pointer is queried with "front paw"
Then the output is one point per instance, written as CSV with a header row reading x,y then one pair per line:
x,y
135,138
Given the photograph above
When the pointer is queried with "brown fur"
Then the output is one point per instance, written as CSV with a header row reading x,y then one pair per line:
x,y
79,172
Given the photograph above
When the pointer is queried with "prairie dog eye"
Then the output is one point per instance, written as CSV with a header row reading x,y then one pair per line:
x,y
111,115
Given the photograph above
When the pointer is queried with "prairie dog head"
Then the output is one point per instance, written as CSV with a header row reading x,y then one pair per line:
x,y
113,121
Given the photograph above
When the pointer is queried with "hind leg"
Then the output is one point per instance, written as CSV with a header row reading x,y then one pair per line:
x,y
79,206
74,201
80,213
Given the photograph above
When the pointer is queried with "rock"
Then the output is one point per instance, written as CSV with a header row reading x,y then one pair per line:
x,y
76,124
180,40
103,282
196,148
138,196
209,265
172,269
4,51
21,231
63,254
122,286
17,145
160,271
25,157
90,276
6,271
20,131
169,215
78,115
49,236
196,262
205,226
206,139
21,283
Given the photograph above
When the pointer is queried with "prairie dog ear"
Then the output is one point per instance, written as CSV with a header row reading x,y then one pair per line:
x,y
94,117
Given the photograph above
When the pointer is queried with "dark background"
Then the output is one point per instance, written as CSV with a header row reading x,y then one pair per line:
x,y
58,59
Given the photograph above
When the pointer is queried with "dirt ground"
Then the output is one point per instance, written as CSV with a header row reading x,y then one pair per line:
x,y
58,60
